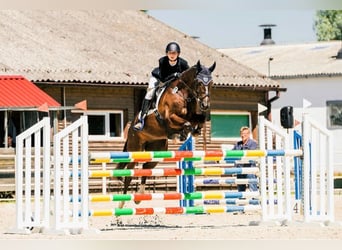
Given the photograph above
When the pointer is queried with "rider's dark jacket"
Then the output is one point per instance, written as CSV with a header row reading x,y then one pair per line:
x,y
166,70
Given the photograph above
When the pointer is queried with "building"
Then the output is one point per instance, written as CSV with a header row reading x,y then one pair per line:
x,y
310,71
22,104
105,58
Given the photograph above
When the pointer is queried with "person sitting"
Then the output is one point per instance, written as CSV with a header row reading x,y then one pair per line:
x,y
246,143
170,66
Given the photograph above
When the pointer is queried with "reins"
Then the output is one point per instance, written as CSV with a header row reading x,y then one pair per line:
x,y
194,94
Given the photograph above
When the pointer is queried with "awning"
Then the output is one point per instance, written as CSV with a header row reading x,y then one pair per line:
x,y
17,92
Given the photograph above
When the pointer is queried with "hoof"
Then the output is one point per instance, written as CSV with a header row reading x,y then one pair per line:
x,y
196,132
183,138
121,204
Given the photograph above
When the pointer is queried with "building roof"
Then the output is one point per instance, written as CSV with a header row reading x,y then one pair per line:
x,y
104,47
291,61
18,92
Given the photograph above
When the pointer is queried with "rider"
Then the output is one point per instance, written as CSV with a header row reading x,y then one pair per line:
x,y
170,66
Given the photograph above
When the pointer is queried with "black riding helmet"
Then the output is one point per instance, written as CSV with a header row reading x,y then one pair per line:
x,y
172,46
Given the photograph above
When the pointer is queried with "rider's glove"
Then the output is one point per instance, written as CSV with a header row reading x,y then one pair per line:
x,y
177,75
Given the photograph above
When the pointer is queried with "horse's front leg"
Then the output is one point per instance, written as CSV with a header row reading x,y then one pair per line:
x,y
141,187
197,129
178,123
159,145
127,182
185,132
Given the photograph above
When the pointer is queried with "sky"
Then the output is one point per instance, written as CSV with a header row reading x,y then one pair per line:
x,y
240,28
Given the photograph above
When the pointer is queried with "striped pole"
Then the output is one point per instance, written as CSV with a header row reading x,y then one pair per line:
x,y
162,156
170,172
172,210
225,181
228,202
171,196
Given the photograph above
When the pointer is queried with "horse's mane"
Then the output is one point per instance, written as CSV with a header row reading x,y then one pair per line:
x,y
189,74
186,77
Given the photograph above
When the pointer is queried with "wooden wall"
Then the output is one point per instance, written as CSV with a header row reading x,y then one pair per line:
x,y
129,99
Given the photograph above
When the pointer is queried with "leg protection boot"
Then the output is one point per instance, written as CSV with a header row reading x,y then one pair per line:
x,y
145,107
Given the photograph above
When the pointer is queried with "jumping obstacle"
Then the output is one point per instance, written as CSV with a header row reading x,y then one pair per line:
x,y
169,172
171,210
78,210
229,202
186,182
225,181
318,172
276,201
171,196
275,196
298,171
174,156
183,197
313,172
30,211
190,183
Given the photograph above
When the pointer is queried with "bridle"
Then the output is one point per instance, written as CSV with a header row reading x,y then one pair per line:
x,y
205,80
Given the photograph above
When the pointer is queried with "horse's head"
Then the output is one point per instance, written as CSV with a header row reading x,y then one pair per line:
x,y
203,82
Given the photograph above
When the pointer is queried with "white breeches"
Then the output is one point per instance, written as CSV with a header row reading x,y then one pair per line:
x,y
151,88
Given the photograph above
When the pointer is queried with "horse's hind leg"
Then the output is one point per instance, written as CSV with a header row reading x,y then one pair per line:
x,y
156,145
121,165
141,187
127,182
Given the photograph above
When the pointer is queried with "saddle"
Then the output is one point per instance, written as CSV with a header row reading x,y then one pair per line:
x,y
160,88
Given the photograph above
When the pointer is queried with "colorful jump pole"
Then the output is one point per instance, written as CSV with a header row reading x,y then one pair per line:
x,y
187,155
171,196
172,210
170,172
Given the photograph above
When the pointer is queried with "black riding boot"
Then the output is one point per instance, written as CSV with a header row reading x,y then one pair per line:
x,y
145,107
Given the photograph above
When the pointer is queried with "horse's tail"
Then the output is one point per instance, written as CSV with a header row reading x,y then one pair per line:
x,y
125,147
128,125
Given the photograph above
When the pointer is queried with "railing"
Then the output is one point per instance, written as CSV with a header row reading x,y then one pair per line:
x,y
29,210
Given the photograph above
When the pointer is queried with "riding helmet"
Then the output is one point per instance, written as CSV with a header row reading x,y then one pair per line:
x,y
172,46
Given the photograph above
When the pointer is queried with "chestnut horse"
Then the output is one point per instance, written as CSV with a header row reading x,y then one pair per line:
x,y
182,108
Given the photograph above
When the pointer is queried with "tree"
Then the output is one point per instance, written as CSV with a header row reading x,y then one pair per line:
x,y
328,25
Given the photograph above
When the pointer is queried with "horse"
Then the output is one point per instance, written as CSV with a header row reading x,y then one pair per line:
x,y
181,108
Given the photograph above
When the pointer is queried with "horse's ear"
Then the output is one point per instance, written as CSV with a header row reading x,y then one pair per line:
x,y
198,66
211,69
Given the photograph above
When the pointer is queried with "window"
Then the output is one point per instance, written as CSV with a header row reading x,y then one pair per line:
x,y
226,125
105,125
334,114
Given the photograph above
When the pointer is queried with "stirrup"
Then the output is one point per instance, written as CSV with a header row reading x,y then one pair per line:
x,y
139,125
